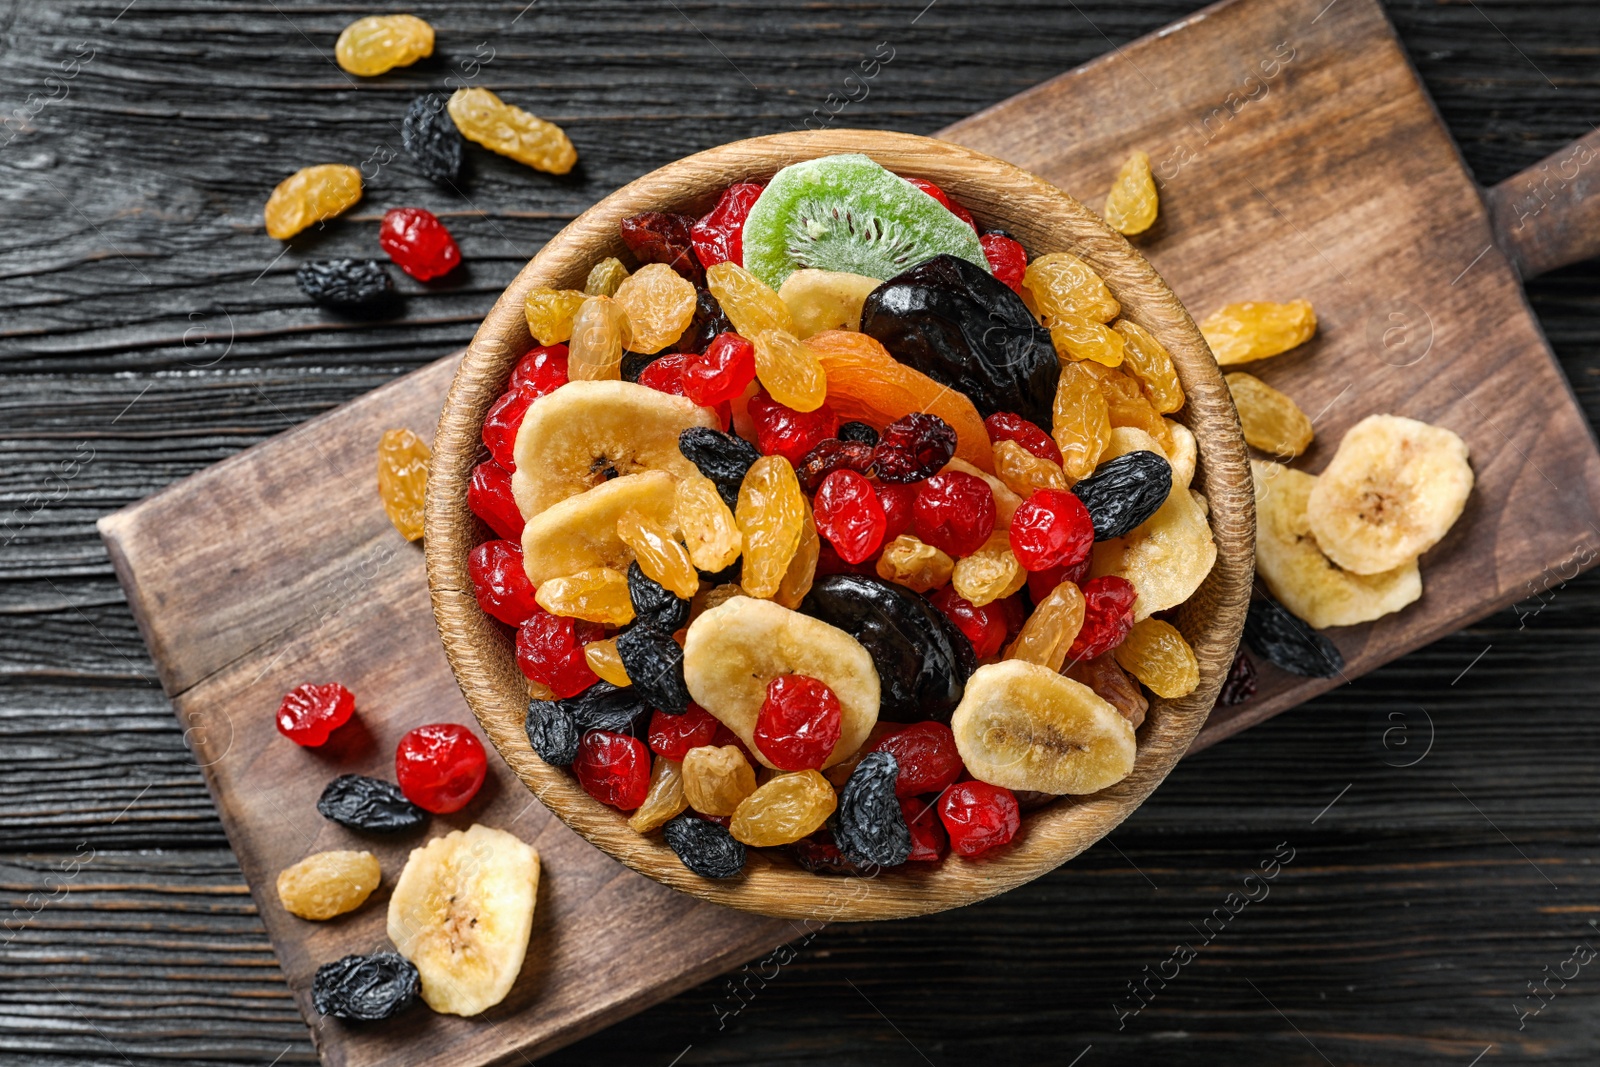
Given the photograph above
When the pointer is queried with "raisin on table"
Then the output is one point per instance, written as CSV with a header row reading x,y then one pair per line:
x,y
347,284
1289,642
365,988
432,139
371,804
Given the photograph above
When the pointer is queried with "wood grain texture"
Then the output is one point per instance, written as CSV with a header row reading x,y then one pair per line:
x,y
1548,215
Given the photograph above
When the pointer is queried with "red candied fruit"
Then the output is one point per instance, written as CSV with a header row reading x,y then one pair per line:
x,y
978,817
1042,583
672,736
613,768
1107,617
501,424
418,242
899,504
789,433
501,583
722,372
819,854
799,723
829,562
550,650
1004,426
724,737
490,498
309,713
541,370
985,627
929,842
440,766
1051,528
719,235
955,512
663,237
939,194
831,455
665,375
849,514
1007,259
913,447
926,752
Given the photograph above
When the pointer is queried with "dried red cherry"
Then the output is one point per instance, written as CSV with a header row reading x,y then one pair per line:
x,y
985,627
501,424
550,650
929,842
939,194
663,237
926,752
1042,583
719,235
440,767
799,723
613,768
722,372
849,514
954,512
1004,426
978,817
672,736
1007,259
541,370
899,505
789,433
309,713
1107,617
831,455
490,498
500,582
418,242
1051,528
913,447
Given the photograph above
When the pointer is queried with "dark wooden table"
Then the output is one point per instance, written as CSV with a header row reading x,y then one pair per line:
x,y
1442,815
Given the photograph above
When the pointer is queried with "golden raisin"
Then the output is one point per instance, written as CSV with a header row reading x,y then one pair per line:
x,y
772,515
659,303
1077,337
1060,284
403,479
664,800
600,334
484,118
1241,333
789,370
663,560
1156,653
915,565
1111,684
603,658
716,780
992,572
1023,472
1271,421
708,528
1051,629
803,567
1131,204
1148,360
328,883
1126,405
598,594
749,302
605,276
310,195
550,313
378,43
784,809
1081,423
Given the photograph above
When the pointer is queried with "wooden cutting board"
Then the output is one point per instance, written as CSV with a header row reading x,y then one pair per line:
x,y
1299,157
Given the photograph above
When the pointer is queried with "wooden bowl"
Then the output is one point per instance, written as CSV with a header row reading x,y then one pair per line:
x,y
1044,219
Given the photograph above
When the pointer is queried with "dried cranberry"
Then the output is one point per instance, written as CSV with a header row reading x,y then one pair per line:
x,y
899,505
672,736
1004,426
1107,617
1042,583
955,512
789,433
913,447
1240,685
440,767
849,514
501,583
541,370
663,237
501,424
665,374
1051,528
722,373
926,752
939,194
979,816
929,842
719,235
829,456
829,562
985,627
724,737
309,713
799,723
418,242
490,498
1007,259
819,854
1015,614
550,650
613,768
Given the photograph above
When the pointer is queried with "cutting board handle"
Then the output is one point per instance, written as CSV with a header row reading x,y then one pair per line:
x,y
1549,215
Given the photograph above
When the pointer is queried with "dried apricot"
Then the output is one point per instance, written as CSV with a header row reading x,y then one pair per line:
x,y
403,479
1252,330
310,195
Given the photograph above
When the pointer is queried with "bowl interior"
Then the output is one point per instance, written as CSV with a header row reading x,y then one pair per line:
x,y
1044,219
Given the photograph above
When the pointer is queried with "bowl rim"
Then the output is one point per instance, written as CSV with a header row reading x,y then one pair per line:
x,y
999,194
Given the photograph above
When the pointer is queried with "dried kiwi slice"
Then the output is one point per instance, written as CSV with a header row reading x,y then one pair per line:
x,y
846,213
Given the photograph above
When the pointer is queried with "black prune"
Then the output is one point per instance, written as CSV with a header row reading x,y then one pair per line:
x,y
1271,630
633,365
347,284
363,803
365,988
923,661
709,320
664,237
654,605
868,825
706,848
430,136
831,455
858,432
553,732
1123,492
914,447
722,457
1240,685
604,706
956,323
654,663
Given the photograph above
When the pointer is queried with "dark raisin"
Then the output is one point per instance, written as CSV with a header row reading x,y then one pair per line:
x,y
709,320
868,824
730,573
654,605
859,432
429,134
603,706
1289,642
363,803
654,663
365,988
633,363
346,284
553,732
1240,685
662,237
820,855
830,455
706,848
722,457
914,447
1123,492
